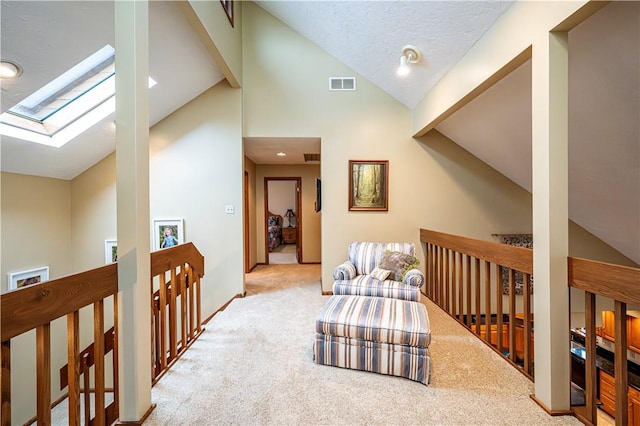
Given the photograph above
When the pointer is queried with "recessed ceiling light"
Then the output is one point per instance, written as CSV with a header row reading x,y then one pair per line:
x,y
9,69
281,154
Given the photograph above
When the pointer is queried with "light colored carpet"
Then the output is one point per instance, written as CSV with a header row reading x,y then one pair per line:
x,y
254,365
283,254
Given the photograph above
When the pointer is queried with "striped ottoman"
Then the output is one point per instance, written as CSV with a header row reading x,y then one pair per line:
x,y
377,334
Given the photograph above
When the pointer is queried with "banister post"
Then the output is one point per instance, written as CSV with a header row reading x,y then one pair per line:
x,y
132,193
550,220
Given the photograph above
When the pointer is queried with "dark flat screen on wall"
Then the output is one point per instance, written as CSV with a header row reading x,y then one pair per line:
x,y
318,195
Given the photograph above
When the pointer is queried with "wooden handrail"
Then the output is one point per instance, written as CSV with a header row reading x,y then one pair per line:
x,y
518,258
605,279
167,259
32,306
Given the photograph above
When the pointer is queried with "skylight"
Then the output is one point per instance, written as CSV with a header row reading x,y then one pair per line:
x,y
68,105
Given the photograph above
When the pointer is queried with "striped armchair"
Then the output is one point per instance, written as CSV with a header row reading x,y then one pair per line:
x,y
359,274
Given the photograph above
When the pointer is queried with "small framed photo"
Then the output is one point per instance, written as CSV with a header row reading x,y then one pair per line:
x,y
167,233
227,5
26,278
368,185
110,251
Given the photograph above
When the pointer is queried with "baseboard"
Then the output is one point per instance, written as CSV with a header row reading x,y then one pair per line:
x,y
223,307
549,411
137,422
327,293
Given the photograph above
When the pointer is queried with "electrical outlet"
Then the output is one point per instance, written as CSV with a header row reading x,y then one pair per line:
x,y
228,209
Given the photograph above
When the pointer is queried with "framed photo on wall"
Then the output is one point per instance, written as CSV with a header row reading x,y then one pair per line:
x,y
368,185
26,278
110,251
227,5
167,233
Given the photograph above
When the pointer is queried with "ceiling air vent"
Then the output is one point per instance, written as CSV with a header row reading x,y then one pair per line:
x,y
311,158
342,83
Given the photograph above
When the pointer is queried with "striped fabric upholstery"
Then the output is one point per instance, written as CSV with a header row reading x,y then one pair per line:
x,y
344,271
366,285
380,335
377,319
414,277
366,256
410,362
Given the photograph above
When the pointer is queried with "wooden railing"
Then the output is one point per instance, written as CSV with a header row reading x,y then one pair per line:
x,y
176,314
35,307
465,276
622,284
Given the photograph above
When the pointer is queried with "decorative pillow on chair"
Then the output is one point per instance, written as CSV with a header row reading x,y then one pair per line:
x,y
380,274
398,263
272,220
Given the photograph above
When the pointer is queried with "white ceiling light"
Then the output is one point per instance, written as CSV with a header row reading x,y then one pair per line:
x,y
410,55
9,69
281,154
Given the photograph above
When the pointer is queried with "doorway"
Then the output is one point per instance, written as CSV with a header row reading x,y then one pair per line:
x,y
283,240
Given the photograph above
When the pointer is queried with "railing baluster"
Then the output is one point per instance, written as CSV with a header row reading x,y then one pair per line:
x,y
183,307
499,309
43,368
73,360
173,325
512,315
487,301
190,285
163,321
620,362
478,294
526,302
5,383
454,283
447,306
468,290
85,392
98,361
440,280
590,362
460,287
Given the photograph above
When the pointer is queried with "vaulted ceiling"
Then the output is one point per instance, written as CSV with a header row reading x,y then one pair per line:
x,y
47,38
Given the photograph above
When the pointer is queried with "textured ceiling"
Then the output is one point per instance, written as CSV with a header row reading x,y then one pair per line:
x,y
368,36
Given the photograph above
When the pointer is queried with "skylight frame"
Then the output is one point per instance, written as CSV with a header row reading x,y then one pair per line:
x,y
76,114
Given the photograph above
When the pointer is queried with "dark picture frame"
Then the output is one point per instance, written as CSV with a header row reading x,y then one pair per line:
x,y
227,5
368,185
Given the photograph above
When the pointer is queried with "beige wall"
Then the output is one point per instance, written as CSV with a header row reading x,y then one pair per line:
x,y
196,170
310,220
433,183
282,196
36,229
93,214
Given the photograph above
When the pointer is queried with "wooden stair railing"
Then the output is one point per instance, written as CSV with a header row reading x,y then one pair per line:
x,y
622,284
176,315
35,307
464,277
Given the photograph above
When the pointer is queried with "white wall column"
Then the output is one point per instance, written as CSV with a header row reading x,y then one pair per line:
x,y
550,220
132,187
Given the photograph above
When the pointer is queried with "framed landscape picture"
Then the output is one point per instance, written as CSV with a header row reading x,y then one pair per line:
x,y
167,233
110,251
368,185
26,278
